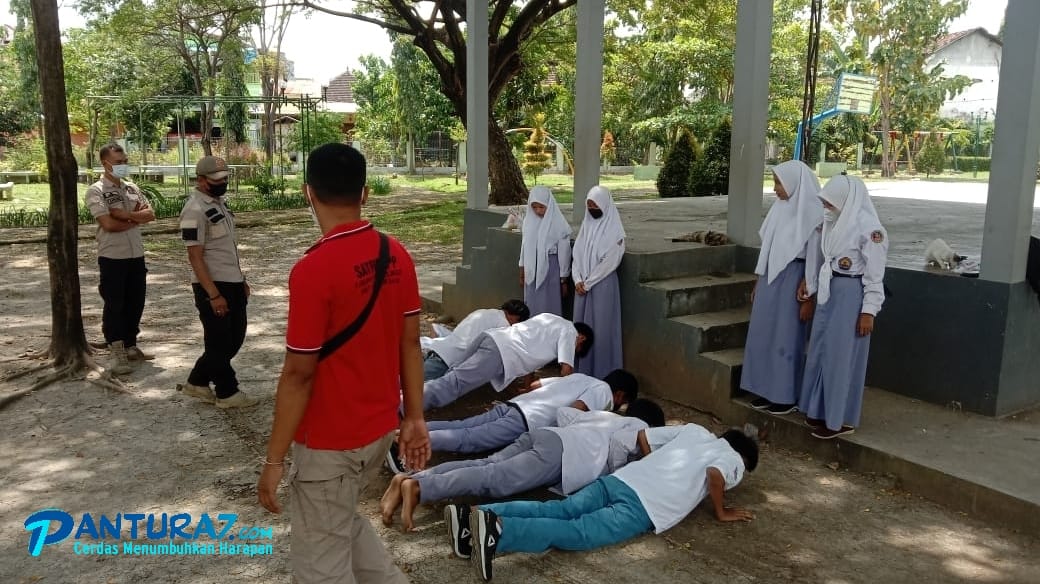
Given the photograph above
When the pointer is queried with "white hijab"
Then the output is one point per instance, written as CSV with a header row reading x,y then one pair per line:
x,y
789,223
597,236
856,215
540,234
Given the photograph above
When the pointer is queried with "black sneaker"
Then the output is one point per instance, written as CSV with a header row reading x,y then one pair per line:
x,y
484,526
781,409
393,459
456,517
761,403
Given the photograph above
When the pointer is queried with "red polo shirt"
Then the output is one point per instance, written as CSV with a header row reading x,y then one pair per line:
x,y
356,390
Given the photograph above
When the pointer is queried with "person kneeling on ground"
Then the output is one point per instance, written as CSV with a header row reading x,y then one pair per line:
x,y
585,446
685,465
499,356
445,352
506,421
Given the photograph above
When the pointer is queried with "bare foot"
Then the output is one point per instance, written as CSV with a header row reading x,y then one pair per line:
x,y
391,499
410,499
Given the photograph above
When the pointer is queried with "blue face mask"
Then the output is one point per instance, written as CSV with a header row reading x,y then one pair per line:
x,y
120,170
830,216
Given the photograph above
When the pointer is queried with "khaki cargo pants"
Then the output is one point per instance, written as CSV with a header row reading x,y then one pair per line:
x,y
330,542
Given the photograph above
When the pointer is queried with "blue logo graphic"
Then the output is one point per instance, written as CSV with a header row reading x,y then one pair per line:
x,y
39,524
164,534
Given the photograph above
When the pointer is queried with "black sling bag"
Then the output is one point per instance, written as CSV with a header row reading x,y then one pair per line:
x,y
382,265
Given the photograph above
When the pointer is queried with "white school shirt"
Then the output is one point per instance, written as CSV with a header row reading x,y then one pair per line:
x,y
452,348
673,479
866,258
534,343
540,405
586,438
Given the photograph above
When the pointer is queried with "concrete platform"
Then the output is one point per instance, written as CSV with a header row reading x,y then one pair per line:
x,y
685,314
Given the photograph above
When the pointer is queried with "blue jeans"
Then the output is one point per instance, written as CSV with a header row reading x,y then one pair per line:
x,y
433,366
603,513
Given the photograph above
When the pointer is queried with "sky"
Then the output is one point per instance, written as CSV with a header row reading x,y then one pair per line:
x,y
322,46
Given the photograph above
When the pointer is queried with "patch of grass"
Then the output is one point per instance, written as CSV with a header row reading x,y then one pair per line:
x,y
439,223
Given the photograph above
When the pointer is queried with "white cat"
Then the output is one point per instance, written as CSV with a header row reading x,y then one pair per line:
x,y
941,255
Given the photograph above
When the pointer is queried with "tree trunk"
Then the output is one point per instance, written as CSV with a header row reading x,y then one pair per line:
x,y
207,129
507,181
68,341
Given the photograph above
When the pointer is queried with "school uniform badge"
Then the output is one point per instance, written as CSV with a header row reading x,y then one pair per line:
x,y
845,263
877,236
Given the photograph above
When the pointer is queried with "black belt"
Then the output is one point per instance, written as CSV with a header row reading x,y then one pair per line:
x,y
799,260
521,412
840,275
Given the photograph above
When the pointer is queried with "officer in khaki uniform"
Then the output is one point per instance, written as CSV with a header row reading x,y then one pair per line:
x,y
221,291
120,208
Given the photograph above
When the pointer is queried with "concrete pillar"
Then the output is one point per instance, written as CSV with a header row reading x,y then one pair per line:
x,y
477,104
589,94
1012,178
751,113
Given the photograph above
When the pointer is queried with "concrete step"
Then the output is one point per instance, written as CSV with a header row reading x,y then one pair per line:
x,y
707,293
723,329
976,464
680,259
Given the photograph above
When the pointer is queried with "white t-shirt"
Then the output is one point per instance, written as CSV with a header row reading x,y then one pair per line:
x,y
452,348
539,406
534,343
587,452
673,479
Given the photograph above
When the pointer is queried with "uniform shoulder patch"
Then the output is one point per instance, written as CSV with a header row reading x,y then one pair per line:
x,y
189,230
877,236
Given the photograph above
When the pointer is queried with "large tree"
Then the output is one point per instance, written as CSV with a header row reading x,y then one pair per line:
x,y
202,35
437,29
893,38
271,26
68,345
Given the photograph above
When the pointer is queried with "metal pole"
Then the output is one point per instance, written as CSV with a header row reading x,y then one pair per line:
x,y
978,122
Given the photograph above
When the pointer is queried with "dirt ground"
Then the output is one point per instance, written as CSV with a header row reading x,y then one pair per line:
x,y
80,448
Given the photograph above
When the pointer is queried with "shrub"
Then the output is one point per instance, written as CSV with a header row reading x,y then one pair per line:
x,y
931,159
709,174
379,185
673,179
266,183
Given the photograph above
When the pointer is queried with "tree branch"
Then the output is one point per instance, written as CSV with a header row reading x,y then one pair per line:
x,y
382,23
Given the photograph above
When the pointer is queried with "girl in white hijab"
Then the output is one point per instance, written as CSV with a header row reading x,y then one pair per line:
x,y
773,355
545,253
597,254
849,294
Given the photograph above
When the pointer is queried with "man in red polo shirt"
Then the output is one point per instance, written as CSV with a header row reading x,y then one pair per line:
x,y
339,412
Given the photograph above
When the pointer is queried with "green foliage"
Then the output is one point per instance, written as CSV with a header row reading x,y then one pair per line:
x,y
968,163
266,183
379,185
26,153
709,174
536,158
674,178
323,128
932,158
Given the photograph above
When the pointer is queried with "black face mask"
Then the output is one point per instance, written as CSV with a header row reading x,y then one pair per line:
x,y
217,190
596,213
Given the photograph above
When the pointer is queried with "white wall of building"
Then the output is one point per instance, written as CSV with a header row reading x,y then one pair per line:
x,y
977,57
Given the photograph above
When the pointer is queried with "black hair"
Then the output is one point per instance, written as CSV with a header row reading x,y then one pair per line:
x,y
336,174
586,331
647,411
517,308
108,148
744,445
625,382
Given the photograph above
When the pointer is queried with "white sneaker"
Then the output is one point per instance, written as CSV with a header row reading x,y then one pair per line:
x,y
118,364
237,400
203,393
